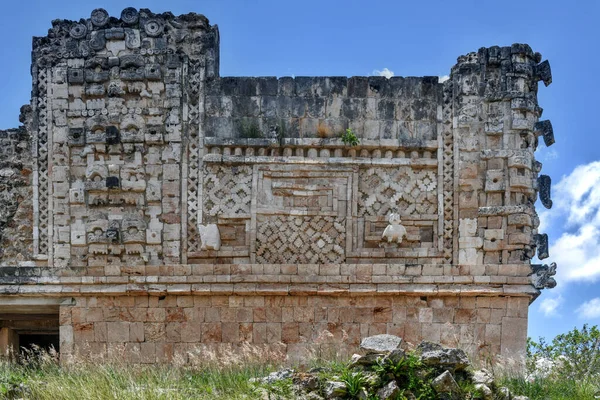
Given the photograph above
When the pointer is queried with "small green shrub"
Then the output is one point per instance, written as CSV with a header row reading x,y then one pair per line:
x,y
576,354
355,381
250,130
349,138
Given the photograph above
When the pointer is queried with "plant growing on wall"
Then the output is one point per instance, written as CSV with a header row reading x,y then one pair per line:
x,y
323,131
250,130
349,138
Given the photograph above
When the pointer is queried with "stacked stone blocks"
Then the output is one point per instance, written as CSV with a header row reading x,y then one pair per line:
x,y
172,209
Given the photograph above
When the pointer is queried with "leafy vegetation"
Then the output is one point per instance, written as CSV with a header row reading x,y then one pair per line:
x,y
250,130
566,368
573,372
349,138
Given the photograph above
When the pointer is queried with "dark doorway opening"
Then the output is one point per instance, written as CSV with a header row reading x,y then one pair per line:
x,y
41,341
28,331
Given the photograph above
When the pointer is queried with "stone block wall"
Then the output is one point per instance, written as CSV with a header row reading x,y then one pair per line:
x,y
16,200
400,110
150,329
166,208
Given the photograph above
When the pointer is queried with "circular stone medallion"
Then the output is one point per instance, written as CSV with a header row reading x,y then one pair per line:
x,y
78,31
99,17
153,27
130,16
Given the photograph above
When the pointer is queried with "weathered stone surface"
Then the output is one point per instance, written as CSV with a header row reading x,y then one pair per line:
x,y
433,354
542,276
278,376
394,356
334,389
380,344
483,376
389,391
485,391
445,384
141,173
503,394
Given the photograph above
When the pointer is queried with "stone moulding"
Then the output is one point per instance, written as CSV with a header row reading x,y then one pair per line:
x,y
171,207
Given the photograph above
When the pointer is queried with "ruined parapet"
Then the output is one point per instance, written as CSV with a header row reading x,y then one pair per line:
x,y
173,208
117,104
496,127
16,202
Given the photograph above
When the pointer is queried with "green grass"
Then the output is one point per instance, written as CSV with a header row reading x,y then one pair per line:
x,y
40,376
47,380
552,388
118,382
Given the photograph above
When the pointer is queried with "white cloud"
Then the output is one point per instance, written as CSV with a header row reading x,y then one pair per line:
x,y
384,72
551,154
443,78
550,305
577,200
589,309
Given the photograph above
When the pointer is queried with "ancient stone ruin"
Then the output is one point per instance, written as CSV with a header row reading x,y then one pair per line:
x,y
151,208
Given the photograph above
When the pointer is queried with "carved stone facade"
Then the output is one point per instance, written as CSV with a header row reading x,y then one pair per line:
x,y
173,208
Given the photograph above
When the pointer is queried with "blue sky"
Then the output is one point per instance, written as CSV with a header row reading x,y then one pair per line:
x,y
319,37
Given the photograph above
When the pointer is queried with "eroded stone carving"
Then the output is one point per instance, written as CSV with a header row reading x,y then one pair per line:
x,y
381,189
542,276
541,241
300,240
544,129
394,232
544,183
159,165
209,236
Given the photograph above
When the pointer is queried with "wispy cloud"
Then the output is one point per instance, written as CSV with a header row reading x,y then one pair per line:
x,y
546,153
590,309
550,306
384,72
577,200
443,78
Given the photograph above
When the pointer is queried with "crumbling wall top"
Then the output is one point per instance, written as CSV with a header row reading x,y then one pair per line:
x,y
145,33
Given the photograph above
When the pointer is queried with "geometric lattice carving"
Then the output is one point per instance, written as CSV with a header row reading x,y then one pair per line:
x,y
286,239
193,148
227,189
448,178
42,161
399,189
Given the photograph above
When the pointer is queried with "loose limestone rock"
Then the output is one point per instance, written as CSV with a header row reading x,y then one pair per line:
x,y
483,376
503,394
387,383
445,383
365,360
380,344
389,391
334,389
394,356
434,354
485,391
276,376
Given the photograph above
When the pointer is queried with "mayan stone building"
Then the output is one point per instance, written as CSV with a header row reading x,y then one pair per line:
x,y
152,209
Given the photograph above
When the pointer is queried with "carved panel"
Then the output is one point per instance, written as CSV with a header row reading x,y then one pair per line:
x,y
227,190
400,189
290,239
193,155
41,214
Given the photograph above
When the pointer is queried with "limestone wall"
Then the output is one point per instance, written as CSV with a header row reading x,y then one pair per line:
x,y
156,184
380,111
143,329
16,202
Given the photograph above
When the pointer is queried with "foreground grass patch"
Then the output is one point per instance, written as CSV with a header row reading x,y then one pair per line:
x,y
53,382
551,388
